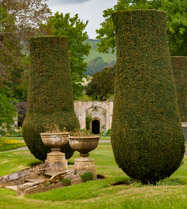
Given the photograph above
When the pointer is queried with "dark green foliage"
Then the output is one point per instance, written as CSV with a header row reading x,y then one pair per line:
x,y
101,85
179,65
22,110
7,112
87,176
50,95
147,137
106,133
19,20
176,23
88,121
63,25
66,182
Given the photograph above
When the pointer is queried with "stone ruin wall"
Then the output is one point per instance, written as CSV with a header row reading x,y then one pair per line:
x,y
101,111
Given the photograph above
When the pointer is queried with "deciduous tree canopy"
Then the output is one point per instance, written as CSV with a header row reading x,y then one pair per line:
x,y
7,111
19,20
73,28
102,84
176,23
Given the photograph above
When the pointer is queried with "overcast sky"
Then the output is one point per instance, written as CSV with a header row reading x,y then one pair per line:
x,y
91,10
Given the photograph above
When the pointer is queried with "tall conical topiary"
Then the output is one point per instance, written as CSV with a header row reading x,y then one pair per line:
x,y
147,136
50,96
179,66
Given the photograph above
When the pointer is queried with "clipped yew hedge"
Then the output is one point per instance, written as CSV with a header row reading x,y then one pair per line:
x,y
50,94
179,65
147,137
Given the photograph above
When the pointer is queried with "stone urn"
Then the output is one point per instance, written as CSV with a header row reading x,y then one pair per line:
x,y
56,161
84,144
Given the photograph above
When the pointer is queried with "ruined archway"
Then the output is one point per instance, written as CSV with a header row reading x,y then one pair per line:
x,y
87,111
96,126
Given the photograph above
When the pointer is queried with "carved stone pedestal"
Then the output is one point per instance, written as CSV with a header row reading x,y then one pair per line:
x,y
55,162
85,164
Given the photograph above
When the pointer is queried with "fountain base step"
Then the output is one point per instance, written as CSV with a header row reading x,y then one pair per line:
x,y
56,162
85,164
15,188
40,178
36,179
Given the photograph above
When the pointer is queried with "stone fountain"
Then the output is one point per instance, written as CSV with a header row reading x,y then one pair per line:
x,y
56,161
48,175
84,144
44,176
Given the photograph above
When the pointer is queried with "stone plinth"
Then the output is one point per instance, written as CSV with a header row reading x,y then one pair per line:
x,y
56,162
85,164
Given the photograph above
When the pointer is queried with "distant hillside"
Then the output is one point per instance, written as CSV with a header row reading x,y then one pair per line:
x,y
98,61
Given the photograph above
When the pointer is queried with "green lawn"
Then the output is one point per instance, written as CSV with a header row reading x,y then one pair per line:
x,y
105,137
168,194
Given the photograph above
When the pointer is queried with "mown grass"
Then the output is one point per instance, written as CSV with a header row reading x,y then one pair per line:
x,y
105,137
115,191
12,161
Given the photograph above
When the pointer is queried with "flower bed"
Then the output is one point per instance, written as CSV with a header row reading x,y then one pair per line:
x,y
9,144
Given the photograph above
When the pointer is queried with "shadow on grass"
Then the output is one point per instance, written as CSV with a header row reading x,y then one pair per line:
x,y
99,176
172,182
125,182
164,182
35,163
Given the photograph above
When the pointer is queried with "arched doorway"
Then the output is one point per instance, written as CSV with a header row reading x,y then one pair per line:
x,y
95,126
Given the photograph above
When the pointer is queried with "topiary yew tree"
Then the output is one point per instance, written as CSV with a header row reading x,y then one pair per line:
x,y
50,94
179,65
147,137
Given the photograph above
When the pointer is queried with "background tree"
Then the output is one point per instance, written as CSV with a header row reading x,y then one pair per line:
x,y
19,20
7,111
8,60
21,110
9,46
27,14
176,23
102,84
73,28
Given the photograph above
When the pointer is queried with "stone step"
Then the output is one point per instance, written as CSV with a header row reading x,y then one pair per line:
x,y
35,180
58,173
15,188
51,173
